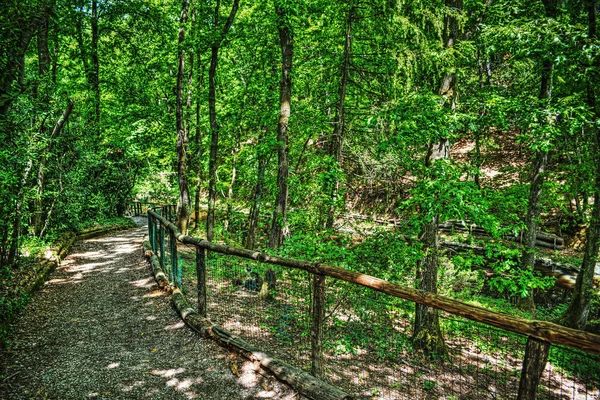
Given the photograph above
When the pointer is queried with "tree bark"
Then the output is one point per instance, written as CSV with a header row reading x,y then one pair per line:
x,y
254,215
335,149
14,66
16,232
577,313
199,152
95,72
38,203
536,355
214,126
183,203
426,330
286,42
537,352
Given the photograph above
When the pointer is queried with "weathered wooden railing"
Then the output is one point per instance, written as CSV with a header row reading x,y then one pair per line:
x,y
166,259
169,211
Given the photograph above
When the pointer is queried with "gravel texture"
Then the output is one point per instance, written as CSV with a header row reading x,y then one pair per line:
x,y
99,328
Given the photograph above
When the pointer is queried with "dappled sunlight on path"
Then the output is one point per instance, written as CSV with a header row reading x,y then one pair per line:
x,y
101,329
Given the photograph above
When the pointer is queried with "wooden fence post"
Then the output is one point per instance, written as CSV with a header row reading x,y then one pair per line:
x,y
316,330
201,275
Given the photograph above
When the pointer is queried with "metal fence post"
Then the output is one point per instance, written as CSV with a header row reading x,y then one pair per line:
x,y
151,233
161,234
316,329
174,267
201,276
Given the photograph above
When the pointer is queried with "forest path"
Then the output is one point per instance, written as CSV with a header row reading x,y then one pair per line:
x,y
100,328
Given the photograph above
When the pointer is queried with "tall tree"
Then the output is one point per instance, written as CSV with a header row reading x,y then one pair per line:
x,y
426,330
536,351
335,146
212,101
286,43
577,313
183,204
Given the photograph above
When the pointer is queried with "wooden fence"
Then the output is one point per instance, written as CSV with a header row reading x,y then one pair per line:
x,y
159,226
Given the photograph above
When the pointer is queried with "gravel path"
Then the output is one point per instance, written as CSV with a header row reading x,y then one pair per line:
x,y
99,328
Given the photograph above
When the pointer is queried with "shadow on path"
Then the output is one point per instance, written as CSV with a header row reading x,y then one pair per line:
x,y
100,329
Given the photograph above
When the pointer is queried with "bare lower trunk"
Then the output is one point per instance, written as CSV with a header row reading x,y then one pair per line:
x,y
95,76
214,146
427,335
335,149
536,354
532,219
214,126
258,190
577,314
426,330
279,221
16,232
231,183
183,203
38,204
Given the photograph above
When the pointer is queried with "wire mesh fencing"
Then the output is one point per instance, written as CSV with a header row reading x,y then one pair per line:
x,y
367,347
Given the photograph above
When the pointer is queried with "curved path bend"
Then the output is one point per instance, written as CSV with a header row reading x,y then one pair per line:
x,y
100,329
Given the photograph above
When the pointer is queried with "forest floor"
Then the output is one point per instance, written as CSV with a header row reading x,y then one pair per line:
x,y
100,328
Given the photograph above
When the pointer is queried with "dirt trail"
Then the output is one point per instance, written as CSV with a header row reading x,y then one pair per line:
x,y
100,329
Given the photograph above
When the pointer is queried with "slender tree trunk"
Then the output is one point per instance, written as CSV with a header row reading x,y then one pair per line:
x,y
95,76
214,126
198,167
183,204
16,232
577,314
286,42
43,52
38,209
426,331
13,68
335,149
536,353
254,215
214,145
199,152
43,66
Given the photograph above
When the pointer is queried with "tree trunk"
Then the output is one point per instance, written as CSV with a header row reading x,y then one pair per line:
x,y
286,42
577,314
14,65
234,154
335,149
183,203
214,126
427,335
536,354
14,243
532,218
95,73
214,145
199,152
426,331
254,215
38,204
